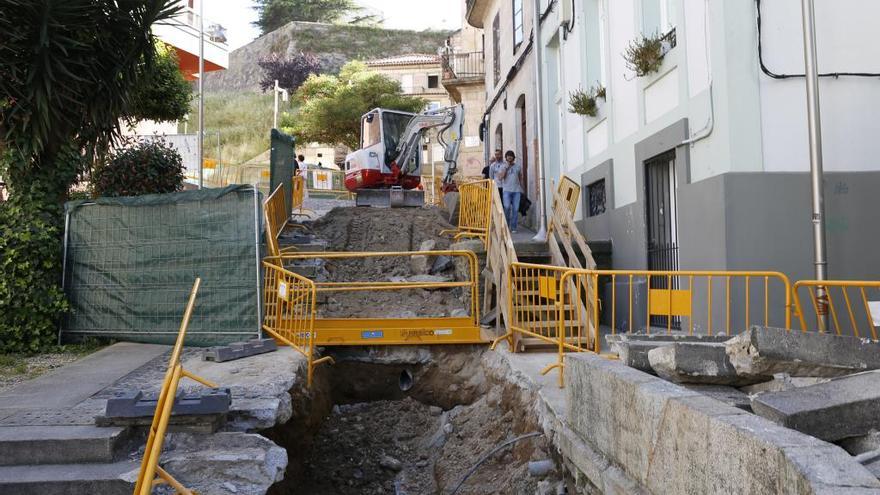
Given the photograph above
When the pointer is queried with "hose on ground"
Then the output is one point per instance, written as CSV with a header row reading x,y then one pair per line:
x,y
490,454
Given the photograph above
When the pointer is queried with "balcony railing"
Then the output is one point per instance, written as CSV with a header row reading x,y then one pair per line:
x,y
462,65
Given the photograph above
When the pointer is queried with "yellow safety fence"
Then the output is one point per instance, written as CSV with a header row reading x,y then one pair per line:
x,y
330,331
298,187
853,296
276,217
561,306
475,204
151,473
289,312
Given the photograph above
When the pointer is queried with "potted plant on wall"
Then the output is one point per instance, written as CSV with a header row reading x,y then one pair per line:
x,y
586,102
644,55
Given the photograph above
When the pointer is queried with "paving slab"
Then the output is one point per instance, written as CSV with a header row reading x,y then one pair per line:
x,y
77,381
69,479
699,363
767,350
58,444
840,408
633,348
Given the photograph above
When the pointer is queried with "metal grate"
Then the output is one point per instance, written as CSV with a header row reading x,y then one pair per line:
x,y
596,197
661,218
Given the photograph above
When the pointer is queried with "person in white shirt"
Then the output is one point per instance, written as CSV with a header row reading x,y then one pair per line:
x,y
510,176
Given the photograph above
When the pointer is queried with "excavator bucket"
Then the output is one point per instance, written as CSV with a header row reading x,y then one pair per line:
x,y
395,197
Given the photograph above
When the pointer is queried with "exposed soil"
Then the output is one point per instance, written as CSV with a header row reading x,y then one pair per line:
x,y
378,439
355,229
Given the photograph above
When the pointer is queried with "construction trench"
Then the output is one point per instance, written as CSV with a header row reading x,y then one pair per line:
x,y
447,419
405,419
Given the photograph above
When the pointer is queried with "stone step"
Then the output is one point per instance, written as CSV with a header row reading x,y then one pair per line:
x,y
59,444
69,479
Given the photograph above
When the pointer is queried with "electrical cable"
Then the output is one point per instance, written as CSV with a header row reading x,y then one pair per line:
x,y
489,454
774,75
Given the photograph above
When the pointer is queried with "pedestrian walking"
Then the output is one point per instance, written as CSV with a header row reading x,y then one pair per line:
x,y
510,175
495,165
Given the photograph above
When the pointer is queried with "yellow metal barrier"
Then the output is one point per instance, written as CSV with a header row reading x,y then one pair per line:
x,y
549,307
289,312
475,206
562,306
299,197
859,312
395,331
670,296
276,220
150,473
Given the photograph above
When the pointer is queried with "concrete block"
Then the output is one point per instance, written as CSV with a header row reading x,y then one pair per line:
x,y
69,479
135,404
672,440
861,444
704,363
840,408
728,395
765,351
782,381
633,348
59,444
238,350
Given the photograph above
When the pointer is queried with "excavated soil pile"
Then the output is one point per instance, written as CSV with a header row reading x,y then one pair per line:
x,y
384,229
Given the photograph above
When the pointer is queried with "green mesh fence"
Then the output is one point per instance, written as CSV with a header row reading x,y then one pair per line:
x,y
281,158
129,264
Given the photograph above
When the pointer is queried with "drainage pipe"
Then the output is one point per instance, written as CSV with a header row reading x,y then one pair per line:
x,y
539,107
815,132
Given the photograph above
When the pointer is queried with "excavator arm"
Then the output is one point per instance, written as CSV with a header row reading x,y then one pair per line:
x,y
450,124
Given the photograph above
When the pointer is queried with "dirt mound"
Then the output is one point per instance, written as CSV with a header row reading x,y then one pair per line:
x,y
353,229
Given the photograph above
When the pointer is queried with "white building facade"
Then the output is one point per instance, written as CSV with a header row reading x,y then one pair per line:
x,y
704,163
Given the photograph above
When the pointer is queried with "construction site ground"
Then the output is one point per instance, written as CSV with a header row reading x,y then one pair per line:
x,y
412,419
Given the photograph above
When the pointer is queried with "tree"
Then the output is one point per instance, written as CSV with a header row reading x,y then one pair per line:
x,y
272,14
163,94
68,70
331,106
290,72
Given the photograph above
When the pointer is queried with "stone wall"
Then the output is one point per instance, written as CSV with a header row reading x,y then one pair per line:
x,y
670,440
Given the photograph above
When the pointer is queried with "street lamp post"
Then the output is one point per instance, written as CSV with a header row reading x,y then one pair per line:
x,y
201,137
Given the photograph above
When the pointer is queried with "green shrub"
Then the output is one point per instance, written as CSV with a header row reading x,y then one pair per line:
x,y
585,102
143,167
31,299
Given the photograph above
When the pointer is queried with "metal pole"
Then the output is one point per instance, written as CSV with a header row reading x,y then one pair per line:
x,y
815,131
201,140
433,172
275,115
539,105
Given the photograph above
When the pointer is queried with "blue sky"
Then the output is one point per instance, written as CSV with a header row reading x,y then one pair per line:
x,y
236,16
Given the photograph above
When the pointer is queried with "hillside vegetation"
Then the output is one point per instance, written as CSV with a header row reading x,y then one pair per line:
x,y
244,120
333,44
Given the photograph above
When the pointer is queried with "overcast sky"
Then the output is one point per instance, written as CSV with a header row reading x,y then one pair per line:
x,y
236,16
